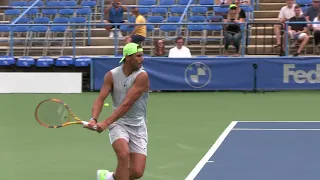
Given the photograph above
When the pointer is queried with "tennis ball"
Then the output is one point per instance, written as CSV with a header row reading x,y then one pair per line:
x,y
106,104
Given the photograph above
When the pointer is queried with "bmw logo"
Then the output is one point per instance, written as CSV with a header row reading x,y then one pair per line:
x,y
197,75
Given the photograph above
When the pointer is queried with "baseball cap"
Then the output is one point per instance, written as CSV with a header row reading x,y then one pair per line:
x,y
129,49
232,6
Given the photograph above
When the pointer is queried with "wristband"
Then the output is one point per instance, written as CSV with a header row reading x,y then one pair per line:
x,y
94,119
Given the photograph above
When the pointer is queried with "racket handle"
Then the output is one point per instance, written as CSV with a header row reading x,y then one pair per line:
x,y
85,123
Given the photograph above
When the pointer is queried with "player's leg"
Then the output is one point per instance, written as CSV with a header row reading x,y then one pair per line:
x,y
137,165
121,149
119,139
138,151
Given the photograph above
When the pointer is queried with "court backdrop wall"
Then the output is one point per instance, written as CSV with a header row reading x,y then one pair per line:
x,y
41,82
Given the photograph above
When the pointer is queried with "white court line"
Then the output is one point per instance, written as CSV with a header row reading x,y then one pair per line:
x,y
277,121
211,151
259,129
210,161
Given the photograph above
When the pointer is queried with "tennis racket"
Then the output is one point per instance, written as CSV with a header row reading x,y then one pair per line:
x,y
54,113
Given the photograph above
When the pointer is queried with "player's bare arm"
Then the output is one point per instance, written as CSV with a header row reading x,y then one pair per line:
x,y
140,86
104,92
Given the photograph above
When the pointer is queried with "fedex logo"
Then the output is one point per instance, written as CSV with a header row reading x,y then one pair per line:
x,y
300,76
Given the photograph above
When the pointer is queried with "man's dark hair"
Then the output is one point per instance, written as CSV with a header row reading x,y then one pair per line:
x,y
178,38
297,6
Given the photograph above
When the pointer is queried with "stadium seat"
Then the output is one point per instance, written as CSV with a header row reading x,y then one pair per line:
x,y
7,60
69,3
82,62
147,2
64,61
304,2
167,2
206,2
45,61
177,10
160,11
18,3
54,3
25,61
185,2
40,3
144,11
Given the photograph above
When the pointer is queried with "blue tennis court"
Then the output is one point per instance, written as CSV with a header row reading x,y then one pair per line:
x,y
263,151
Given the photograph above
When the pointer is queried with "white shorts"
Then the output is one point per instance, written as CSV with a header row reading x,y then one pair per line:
x,y
136,136
297,36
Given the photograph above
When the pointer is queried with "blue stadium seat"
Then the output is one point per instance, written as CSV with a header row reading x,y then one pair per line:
x,y
221,10
304,2
61,20
49,12
69,3
83,11
41,20
6,60
88,3
147,2
11,12
155,19
66,12
167,2
206,2
197,18
185,2
40,3
54,3
64,61
25,61
82,62
45,62
177,10
144,11
32,12
18,3
173,18
201,10
22,20
159,10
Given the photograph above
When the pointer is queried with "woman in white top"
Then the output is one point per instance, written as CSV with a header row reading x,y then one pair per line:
x,y
316,30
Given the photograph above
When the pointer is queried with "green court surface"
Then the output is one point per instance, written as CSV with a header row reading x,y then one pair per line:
x,y
182,127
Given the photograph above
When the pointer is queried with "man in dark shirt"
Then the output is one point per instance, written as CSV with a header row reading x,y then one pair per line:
x,y
298,32
312,12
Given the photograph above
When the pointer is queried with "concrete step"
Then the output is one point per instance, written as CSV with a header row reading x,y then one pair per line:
x,y
271,6
268,20
261,30
268,49
266,14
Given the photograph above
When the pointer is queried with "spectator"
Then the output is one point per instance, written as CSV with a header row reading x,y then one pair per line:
x,y
223,2
316,32
115,11
298,32
139,33
159,50
245,2
232,32
285,14
312,12
179,51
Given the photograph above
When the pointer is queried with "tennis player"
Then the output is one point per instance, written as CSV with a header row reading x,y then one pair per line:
x,y
129,87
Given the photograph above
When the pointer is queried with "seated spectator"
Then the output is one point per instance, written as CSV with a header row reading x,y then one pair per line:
x,y
223,2
312,12
179,51
159,50
232,32
298,32
316,32
115,11
245,2
139,32
285,14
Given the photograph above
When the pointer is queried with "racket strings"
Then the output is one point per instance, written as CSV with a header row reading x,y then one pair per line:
x,y
53,113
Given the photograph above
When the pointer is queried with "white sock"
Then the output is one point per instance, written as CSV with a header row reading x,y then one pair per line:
x,y
110,176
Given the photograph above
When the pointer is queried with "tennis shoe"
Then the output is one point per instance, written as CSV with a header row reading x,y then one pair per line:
x,y
102,174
